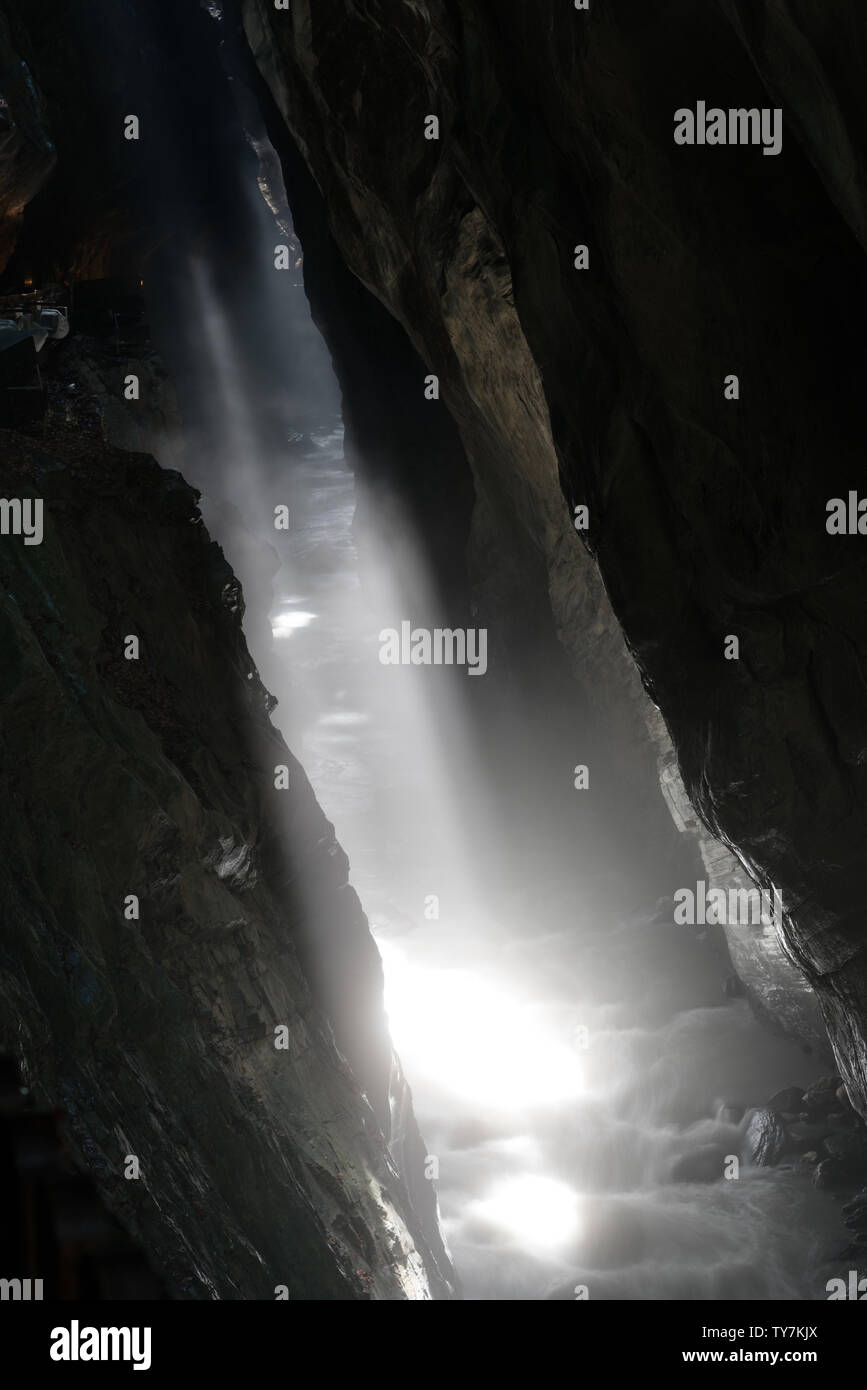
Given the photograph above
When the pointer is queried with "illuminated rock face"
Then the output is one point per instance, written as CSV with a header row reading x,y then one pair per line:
x,y
173,927
665,334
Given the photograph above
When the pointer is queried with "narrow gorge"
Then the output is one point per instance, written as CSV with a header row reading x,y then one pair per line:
x,y
332,332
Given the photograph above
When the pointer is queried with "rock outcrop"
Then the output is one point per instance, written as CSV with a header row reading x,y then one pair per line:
x,y
186,970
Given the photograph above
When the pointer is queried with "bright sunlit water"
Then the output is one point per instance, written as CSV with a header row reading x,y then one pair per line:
x,y
555,1108
554,1089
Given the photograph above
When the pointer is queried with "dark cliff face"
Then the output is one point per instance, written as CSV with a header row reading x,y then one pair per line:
x,y
115,205
155,1024
605,386
471,501
298,1165
27,154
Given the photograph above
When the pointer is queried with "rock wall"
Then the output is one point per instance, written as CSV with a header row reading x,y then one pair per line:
x,y
165,909
519,580
299,1166
605,386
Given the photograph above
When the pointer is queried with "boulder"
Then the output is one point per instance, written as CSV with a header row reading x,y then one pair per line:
x,y
839,1172
789,1101
820,1098
766,1140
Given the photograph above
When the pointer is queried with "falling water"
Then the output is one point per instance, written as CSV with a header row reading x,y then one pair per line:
x,y
556,1096
562,1061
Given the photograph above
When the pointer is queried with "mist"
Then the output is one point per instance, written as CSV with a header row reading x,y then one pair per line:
x,y
566,1053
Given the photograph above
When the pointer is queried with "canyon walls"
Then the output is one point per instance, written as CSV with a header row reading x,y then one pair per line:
x,y
598,378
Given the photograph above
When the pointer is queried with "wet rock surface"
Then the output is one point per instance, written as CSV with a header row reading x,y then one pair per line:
x,y
788,1101
827,1143
154,1024
765,1139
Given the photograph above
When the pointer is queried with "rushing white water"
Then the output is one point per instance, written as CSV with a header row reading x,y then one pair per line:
x,y
555,1108
559,1061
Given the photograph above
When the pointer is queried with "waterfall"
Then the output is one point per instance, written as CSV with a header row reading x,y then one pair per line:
x,y
581,1079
